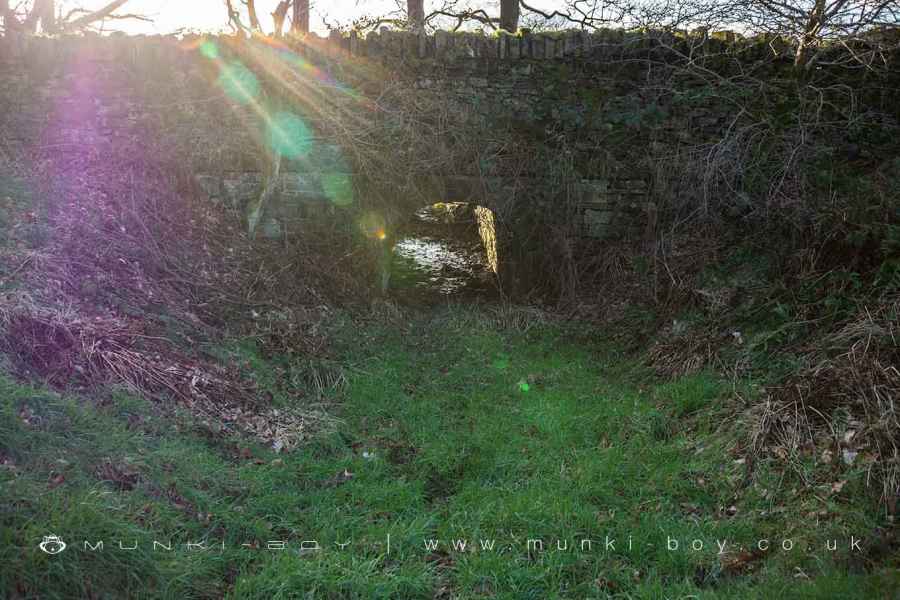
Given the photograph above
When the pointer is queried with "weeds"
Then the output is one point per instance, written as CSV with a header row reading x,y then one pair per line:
x,y
842,410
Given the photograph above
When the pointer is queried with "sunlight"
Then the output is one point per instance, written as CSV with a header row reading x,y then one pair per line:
x,y
238,82
209,49
339,188
372,225
289,135
311,87
550,310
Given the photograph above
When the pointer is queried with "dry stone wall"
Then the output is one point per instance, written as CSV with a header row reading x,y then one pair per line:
x,y
620,103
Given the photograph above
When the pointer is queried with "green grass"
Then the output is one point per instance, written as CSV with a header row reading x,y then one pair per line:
x,y
444,443
19,224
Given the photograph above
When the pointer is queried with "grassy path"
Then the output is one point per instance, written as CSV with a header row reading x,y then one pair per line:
x,y
454,430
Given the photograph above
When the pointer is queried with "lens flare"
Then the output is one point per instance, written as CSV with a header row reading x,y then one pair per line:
x,y
373,226
289,136
239,83
209,49
338,187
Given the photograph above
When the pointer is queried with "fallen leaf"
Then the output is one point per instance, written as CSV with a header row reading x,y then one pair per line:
x,y
741,562
339,479
691,509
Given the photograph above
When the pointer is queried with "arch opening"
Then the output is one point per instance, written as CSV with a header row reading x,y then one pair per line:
x,y
445,250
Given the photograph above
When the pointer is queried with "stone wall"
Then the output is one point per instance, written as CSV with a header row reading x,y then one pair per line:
x,y
173,93
594,95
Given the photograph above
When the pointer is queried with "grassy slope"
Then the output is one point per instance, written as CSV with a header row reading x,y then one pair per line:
x,y
462,449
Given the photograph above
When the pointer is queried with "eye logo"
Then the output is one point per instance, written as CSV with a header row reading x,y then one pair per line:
x,y
52,544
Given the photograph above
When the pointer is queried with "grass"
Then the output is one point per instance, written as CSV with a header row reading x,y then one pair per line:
x,y
455,428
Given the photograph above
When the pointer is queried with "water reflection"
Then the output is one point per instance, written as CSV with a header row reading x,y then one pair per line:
x,y
437,257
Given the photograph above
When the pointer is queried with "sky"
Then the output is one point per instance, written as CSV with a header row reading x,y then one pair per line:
x,y
210,15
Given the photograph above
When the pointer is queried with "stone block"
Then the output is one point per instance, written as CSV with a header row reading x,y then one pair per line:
x,y
441,42
594,193
272,229
410,44
572,43
515,48
210,184
522,69
240,188
294,183
597,223
559,48
327,158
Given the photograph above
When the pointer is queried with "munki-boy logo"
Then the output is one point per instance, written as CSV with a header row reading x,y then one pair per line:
x,y
52,544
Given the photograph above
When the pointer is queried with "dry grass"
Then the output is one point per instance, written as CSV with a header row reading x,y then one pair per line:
x,y
677,354
509,317
844,408
69,352
136,273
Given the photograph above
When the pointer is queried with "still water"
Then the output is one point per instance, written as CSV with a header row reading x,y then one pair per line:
x,y
437,257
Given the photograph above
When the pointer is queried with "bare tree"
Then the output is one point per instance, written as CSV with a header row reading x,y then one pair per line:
x,y
415,15
509,15
251,13
279,16
41,14
812,23
300,17
655,14
299,10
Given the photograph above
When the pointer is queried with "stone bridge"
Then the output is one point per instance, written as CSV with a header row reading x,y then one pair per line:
x,y
607,207
590,90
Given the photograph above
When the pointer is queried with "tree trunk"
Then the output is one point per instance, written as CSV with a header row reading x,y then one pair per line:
x,y
10,22
279,16
415,15
509,15
810,34
48,17
42,12
254,20
300,18
233,18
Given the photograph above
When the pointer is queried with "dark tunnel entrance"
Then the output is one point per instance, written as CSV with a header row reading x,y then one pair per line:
x,y
446,250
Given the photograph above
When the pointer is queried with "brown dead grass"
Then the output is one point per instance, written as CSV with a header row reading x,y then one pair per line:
x,y
137,274
68,352
844,408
